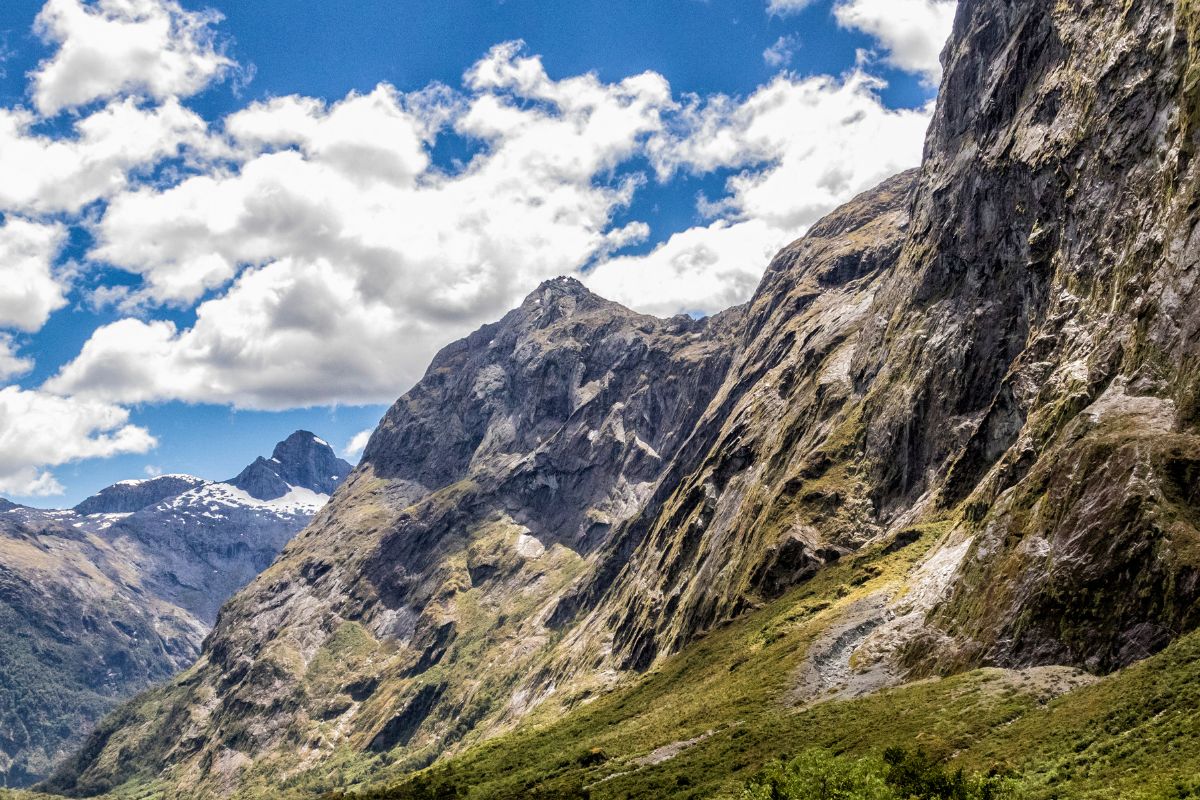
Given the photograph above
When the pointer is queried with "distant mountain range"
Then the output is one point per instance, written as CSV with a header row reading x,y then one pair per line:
x,y
102,600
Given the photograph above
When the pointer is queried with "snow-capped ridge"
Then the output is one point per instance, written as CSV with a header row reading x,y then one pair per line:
x,y
179,476
214,496
128,496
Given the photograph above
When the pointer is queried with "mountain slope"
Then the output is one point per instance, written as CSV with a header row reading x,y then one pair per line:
x,y
762,499
709,718
424,584
196,549
78,633
100,602
996,357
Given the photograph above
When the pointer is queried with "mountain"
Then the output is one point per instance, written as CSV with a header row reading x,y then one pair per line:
x,y
117,594
934,485
301,460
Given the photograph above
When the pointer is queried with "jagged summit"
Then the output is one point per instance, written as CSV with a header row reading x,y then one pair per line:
x,y
561,298
564,285
127,497
303,460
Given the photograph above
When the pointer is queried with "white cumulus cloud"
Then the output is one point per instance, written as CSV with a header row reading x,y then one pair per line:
x,y
40,431
29,290
12,365
149,48
40,174
358,443
911,32
788,6
331,259
327,257
345,258
781,53
802,146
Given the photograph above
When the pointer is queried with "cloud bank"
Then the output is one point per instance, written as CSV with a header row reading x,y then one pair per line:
x,y
149,48
341,258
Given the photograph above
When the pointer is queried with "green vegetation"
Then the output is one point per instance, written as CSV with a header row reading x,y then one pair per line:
x,y
715,720
54,684
899,775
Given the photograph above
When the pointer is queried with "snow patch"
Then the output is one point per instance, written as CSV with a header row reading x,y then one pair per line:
x,y
645,448
179,476
216,496
102,522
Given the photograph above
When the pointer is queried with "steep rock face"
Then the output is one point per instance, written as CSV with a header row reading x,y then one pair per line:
x,y
1005,355
1055,247
764,495
1026,370
99,602
568,409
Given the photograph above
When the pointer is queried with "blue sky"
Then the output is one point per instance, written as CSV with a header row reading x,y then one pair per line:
x,y
298,202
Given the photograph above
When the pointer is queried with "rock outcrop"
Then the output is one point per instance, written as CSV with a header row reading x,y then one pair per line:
x,y
1005,344
102,601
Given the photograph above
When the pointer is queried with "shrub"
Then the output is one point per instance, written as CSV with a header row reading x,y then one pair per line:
x,y
899,775
818,775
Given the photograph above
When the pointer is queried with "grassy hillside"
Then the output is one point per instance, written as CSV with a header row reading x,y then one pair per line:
x,y
710,720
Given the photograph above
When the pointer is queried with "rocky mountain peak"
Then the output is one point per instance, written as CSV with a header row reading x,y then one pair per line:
x,y
561,298
562,287
119,592
303,460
